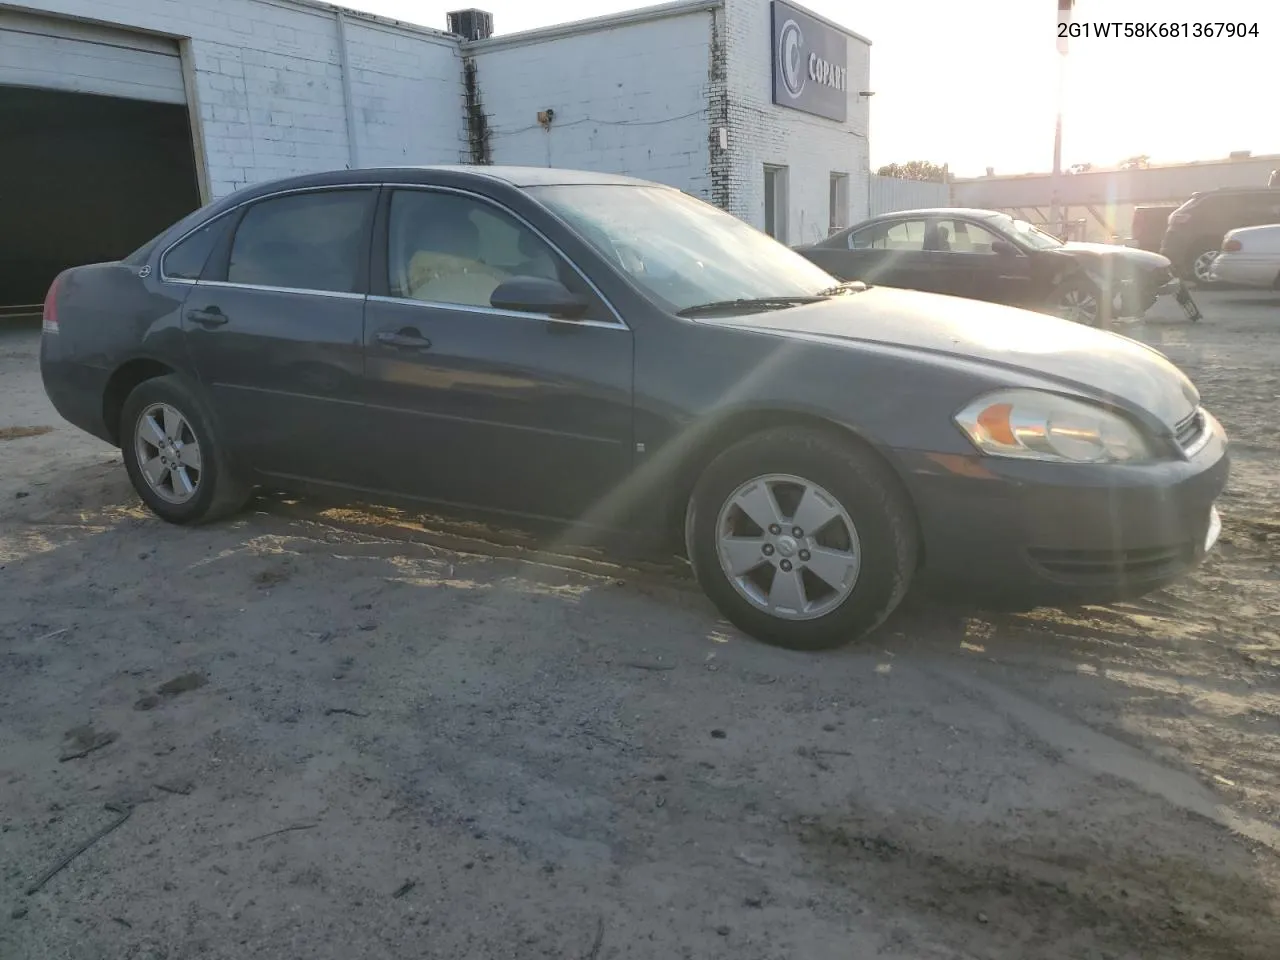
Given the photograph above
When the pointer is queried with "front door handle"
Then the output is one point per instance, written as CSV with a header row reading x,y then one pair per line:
x,y
407,338
209,317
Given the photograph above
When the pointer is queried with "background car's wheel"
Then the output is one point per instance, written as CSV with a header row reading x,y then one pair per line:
x,y
173,457
1078,301
801,539
1198,266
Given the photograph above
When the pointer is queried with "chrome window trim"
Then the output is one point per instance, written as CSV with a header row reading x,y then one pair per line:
x,y
232,209
457,191
264,288
494,311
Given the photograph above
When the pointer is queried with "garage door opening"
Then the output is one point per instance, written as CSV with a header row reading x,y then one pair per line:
x,y
87,178
97,150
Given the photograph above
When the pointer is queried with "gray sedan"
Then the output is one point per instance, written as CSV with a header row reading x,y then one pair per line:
x,y
616,354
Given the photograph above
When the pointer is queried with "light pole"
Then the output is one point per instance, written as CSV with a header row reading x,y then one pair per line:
x,y
1057,220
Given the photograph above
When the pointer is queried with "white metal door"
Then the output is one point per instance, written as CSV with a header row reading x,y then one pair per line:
x,y
59,54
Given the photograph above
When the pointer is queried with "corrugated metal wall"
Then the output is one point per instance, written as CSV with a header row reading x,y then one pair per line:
x,y
889,194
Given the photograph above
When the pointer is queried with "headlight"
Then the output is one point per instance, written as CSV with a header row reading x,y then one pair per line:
x,y
1030,425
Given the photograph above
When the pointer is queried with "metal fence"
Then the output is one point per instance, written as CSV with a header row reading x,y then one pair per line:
x,y
888,194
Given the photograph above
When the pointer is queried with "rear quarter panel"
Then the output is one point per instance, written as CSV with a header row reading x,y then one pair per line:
x,y
108,315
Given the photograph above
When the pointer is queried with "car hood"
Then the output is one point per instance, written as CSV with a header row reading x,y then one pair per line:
x,y
1075,357
1133,256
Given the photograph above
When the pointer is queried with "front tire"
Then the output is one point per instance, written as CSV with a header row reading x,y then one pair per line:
x,y
801,539
174,459
1078,301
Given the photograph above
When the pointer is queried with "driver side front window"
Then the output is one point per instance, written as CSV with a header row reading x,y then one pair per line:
x,y
451,249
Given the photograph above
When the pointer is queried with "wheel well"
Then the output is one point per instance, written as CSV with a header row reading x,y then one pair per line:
x,y
121,384
725,433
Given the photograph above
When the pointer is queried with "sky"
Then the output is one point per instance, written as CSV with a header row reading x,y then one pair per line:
x,y
975,84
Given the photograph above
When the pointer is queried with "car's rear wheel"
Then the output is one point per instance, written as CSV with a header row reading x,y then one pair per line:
x,y
801,539
1078,301
173,457
1201,263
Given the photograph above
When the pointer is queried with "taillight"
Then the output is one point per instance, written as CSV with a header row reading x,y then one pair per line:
x,y
49,322
1232,246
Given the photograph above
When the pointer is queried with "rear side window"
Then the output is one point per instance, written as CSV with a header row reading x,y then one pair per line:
x,y
903,235
186,260
303,241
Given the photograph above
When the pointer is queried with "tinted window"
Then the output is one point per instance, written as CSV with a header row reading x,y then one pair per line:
x,y
897,235
446,248
186,260
961,236
305,241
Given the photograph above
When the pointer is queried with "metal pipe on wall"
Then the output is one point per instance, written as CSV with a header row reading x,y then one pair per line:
x,y
348,106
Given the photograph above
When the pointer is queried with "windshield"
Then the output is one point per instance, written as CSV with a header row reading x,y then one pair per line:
x,y
1030,235
681,251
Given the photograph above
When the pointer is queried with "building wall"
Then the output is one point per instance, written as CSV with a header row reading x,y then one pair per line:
x,y
891,193
812,148
1167,183
268,85
629,95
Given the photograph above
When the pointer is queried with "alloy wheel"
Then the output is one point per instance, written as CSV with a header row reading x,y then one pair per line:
x,y
788,547
168,453
1079,306
1202,264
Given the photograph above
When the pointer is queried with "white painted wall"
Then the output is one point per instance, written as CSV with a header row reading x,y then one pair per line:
x,y
891,193
629,95
268,84
812,148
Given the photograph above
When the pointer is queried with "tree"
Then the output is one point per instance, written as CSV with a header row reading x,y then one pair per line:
x,y
1080,168
914,170
1140,162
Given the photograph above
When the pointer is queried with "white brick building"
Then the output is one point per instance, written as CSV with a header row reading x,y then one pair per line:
x,y
136,110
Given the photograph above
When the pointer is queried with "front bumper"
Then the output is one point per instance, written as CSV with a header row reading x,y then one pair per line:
x,y
1030,533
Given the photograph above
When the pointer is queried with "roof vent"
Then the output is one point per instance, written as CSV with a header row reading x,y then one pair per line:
x,y
471,24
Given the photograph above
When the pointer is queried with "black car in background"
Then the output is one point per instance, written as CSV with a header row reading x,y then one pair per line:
x,y
1193,237
614,353
987,255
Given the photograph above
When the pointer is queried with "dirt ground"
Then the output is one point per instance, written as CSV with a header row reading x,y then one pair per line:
x,y
327,732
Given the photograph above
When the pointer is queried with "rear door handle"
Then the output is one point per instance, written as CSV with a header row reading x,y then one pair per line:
x,y
209,317
410,339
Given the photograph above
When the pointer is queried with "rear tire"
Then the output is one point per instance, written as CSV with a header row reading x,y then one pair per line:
x,y
1198,264
842,578
174,459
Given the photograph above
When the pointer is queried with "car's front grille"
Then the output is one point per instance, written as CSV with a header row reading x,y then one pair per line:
x,y
1190,431
1142,564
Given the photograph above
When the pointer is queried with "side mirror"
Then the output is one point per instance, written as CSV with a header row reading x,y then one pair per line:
x,y
1004,248
538,295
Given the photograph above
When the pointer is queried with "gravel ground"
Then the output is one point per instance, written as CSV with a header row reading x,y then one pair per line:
x,y
352,732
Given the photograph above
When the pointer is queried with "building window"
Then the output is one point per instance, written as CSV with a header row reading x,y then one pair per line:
x,y
775,202
839,202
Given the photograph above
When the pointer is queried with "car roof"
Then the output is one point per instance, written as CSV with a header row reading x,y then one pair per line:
x,y
511,175
973,213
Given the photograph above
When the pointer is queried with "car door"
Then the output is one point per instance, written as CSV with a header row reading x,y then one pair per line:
x,y
275,330
486,407
1257,209
979,263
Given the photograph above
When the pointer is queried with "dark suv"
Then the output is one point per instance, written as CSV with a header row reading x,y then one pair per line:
x,y
1195,230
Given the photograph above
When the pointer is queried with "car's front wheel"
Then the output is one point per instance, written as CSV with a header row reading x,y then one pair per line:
x,y
801,539
1078,301
173,456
